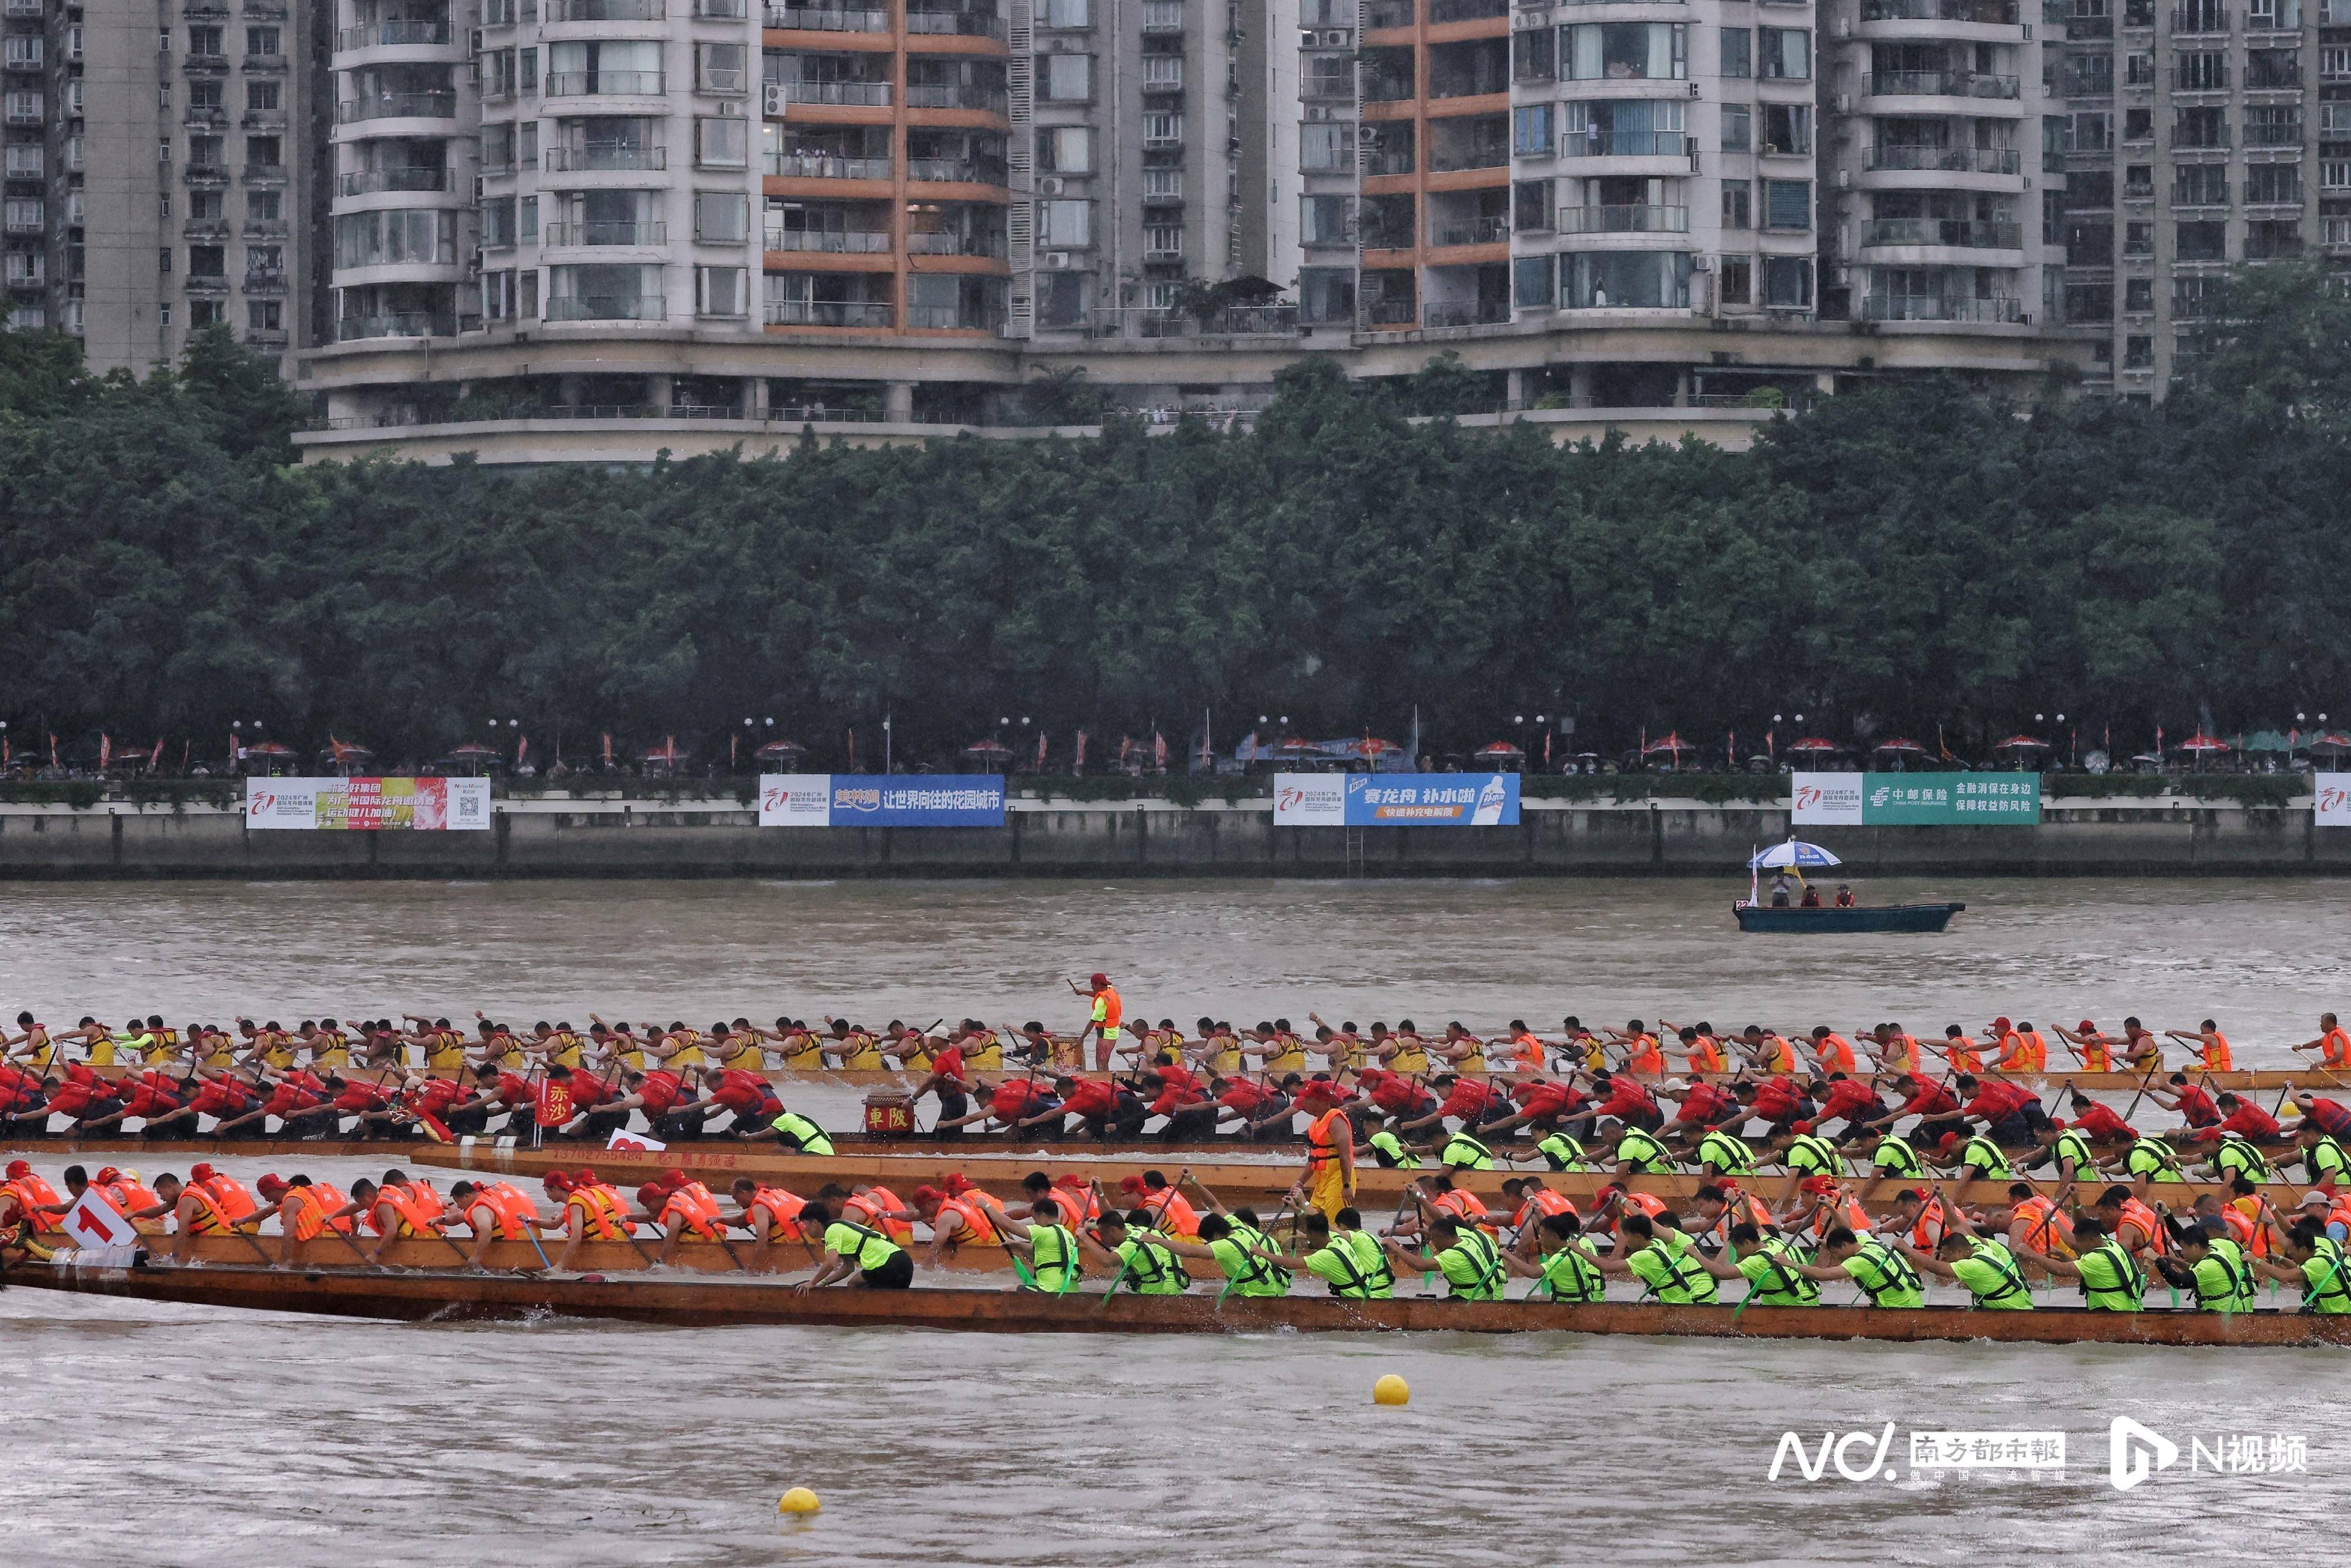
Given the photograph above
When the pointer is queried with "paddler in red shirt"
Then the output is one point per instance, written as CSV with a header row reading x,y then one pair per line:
x,y
1937,1108
1391,1093
1182,1099
1704,1107
150,1096
749,1096
2003,1108
1006,1104
653,1090
1264,1113
2242,1117
1541,1102
2100,1124
1779,1101
1854,1101
2192,1101
1626,1101
2331,1117
1091,1100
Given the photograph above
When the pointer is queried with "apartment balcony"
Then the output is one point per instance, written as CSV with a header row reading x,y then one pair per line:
x,y
603,159
827,19
264,281
990,247
1160,17
558,12
1884,159
263,119
1926,241
195,117
605,84
1634,218
266,175
206,176
841,94
1441,12
987,101
194,10
597,232
38,224
1945,93
958,171
376,181
2274,135
1471,231
1998,310
263,10
607,307
263,337
1636,151
950,318
266,65
207,288
1465,313
1443,159
832,242
265,229
872,315
392,35
408,105
207,65
827,166
964,24
1975,13
1382,14
404,324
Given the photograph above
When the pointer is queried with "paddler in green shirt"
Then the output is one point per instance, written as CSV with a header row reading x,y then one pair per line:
x,y
1894,1157
1341,1253
2314,1262
1663,1260
1980,1259
1054,1264
2208,1261
1771,1267
1884,1276
1472,1265
1134,1254
878,1262
1570,1270
1231,1240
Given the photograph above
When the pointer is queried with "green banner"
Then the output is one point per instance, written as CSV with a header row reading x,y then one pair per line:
x,y
1950,799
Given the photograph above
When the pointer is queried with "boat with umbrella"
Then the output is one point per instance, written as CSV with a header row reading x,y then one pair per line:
x,y
1796,855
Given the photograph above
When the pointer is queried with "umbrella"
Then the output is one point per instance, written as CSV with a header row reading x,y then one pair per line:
x,y
2334,743
1904,747
1673,743
1794,852
1815,743
781,750
1294,747
989,748
2199,741
2264,740
1500,750
2020,743
268,748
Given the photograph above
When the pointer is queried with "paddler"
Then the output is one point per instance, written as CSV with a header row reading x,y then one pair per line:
x,y
1105,1018
305,1210
1174,1212
855,1255
1472,1265
2330,1116
1663,1260
2313,1261
2112,1279
493,1211
1136,1256
1339,1252
1569,1270
771,1214
1054,1265
2093,1049
1884,1276
2100,1124
591,1212
194,1211
1979,1259
2214,1265
2210,1048
1769,1264
2323,1158
2333,1044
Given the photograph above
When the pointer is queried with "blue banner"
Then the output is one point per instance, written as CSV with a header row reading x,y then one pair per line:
x,y
882,800
1396,800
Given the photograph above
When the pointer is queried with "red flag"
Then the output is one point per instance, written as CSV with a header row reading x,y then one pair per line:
x,y
155,758
1546,748
1770,749
730,749
52,749
608,749
105,750
522,749
2159,743
1079,765
853,751
1040,751
1159,751
1730,748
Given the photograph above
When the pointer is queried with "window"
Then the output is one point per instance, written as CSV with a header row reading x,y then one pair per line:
x,y
2201,71
526,293
261,40
207,261
2274,184
1737,279
263,151
2138,125
527,71
1738,52
526,220
1738,129
1534,282
1532,132
1623,51
1787,283
264,316
1163,73
1065,78
1326,220
163,312
720,69
206,152
1162,130
163,260
2200,185
722,142
1065,224
1065,16
722,217
1163,240
721,291
498,222
259,96
2199,127
1788,128
1163,184
1069,149
1531,207
1738,204
2203,242
392,238
1534,55
2273,125
2335,62
1326,147
2139,353
609,66
2138,294
2272,68
498,147
1786,52
1787,203
261,207
526,143
205,41
1626,280
2335,175
2200,16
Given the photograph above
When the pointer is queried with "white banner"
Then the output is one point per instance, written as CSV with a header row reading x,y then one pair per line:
x,y
92,1222
364,805
795,799
2333,806
635,1144
1816,798
1310,800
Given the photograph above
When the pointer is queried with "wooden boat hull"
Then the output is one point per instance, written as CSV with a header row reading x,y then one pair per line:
x,y
1867,920
693,1303
692,1256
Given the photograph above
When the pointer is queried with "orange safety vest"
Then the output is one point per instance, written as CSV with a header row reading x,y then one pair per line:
x,y
1835,1053
209,1216
303,1217
412,1219
2253,1236
1113,1010
2032,1213
695,1208
487,1215
2335,1050
871,1206
1903,1054
1644,1058
1854,1218
2139,1215
783,1211
1963,1056
235,1201
2216,1056
1545,1202
1705,1056
32,1190
1931,1223
1177,1216
604,1217
962,1222
2095,1057
1528,1052
1778,1056
1322,1139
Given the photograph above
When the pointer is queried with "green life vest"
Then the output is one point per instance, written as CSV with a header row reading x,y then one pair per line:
x,y
1364,1262
1889,1273
1686,1283
2111,1281
1779,1284
1151,1268
1561,1152
2234,1290
2236,1156
1570,1275
1245,1273
2324,1161
1895,1156
1485,1258
1464,1153
2071,1146
2153,1159
1809,1154
801,1134
1643,1153
1987,1159
1053,1259
868,1249
1390,1153
2330,1292
1729,1156
2012,1289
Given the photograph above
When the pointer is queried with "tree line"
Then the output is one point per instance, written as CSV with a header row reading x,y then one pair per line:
x,y
1900,559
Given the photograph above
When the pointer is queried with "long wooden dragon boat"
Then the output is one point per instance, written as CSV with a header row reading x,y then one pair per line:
x,y
710,1303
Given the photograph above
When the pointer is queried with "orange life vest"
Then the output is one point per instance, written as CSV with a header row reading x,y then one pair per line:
x,y
410,1216
235,1201
32,1191
603,1216
962,1222
1835,1054
2215,1056
2335,1050
2247,1233
304,1216
1544,1202
1322,1138
868,1209
1644,1059
695,1208
1705,1056
1527,1052
783,1211
2139,1216
2046,1227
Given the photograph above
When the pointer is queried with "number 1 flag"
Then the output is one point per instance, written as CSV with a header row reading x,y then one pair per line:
x,y
92,1222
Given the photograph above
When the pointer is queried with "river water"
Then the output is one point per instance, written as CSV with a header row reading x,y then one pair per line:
x,y
161,1435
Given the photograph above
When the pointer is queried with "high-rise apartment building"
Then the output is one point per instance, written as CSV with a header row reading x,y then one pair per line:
x,y
160,174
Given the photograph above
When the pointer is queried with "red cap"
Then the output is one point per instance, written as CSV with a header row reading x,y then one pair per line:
x,y
670,1180
201,1171
585,1178
1800,1126
1948,1140
2058,1123
271,1186
957,1184
1130,1184
557,1181
651,1194
928,1195
2086,1026
1101,980
19,1169
106,1174
1069,1179
1817,1186
2000,1022
1727,1184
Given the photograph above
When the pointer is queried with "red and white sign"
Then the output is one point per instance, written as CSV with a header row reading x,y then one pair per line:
x,y
92,1222
369,805
635,1144
2332,807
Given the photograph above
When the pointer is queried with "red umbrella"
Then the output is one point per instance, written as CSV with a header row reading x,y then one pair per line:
x,y
1898,744
1370,745
1294,747
2021,743
1815,743
2200,741
2334,743
1497,749
1673,743
779,750
469,748
989,748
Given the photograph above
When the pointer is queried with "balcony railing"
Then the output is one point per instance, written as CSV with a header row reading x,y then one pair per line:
x,y
827,19
1388,313
1946,159
370,182
853,94
921,95
833,241
204,176
819,313
597,231
1468,84
1961,233
558,11
264,65
1935,307
1941,84
1387,14
1634,218
265,174
265,228
1475,313
196,116
967,170
951,318
402,324
2209,137
965,24
400,106
607,307
1381,88
1389,160
598,157
1983,12
206,64
1442,11
263,119
1159,16
2274,135
920,244
264,281
1444,161
1477,230
604,84
826,166
386,35
1602,143
37,222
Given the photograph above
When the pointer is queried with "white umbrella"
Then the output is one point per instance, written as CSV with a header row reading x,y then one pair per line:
x,y
1794,852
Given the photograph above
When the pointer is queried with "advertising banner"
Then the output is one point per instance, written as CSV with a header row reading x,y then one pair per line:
x,y
1915,800
362,805
880,801
2333,806
1396,800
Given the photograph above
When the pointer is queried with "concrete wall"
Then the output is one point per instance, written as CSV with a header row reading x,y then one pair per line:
x,y
1048,839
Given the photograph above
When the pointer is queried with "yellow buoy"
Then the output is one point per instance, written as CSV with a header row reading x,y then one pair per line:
x,y
799,1500
1390,1390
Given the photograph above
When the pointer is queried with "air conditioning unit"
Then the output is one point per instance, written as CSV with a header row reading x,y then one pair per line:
x,y
1845,179
1057,260
477,41
1050,185
731,110
1845,103
1336,38
773,99
1316,112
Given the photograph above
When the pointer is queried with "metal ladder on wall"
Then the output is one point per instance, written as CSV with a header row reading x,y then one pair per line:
x,y
1355,852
